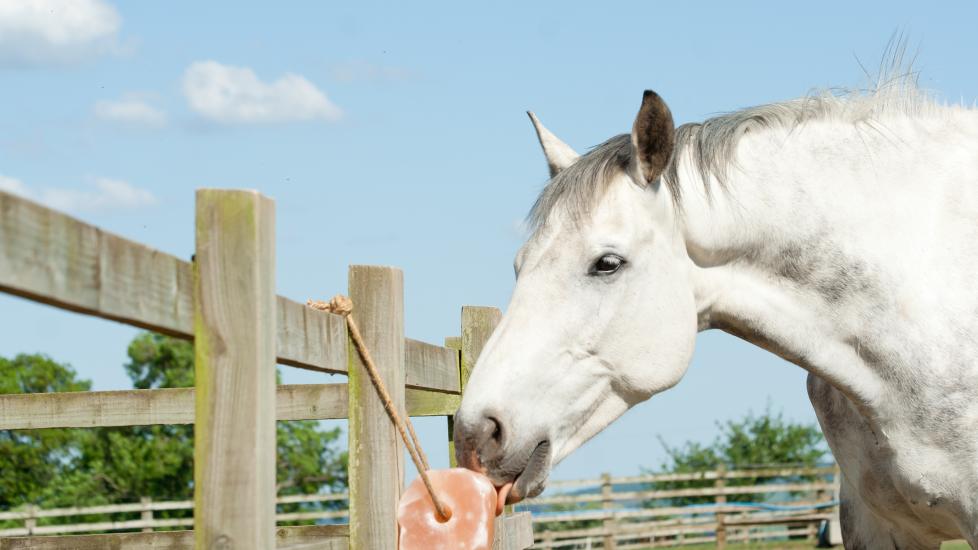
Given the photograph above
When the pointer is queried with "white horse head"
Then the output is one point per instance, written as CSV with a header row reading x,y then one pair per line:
x,y
602,316
837,231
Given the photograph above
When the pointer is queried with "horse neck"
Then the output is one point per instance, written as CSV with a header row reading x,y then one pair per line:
x,y
773,256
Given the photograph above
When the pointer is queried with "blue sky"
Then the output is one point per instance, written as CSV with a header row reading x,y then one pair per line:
x,y
396,134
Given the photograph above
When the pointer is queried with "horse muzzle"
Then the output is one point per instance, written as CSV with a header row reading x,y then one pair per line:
x,y
486,444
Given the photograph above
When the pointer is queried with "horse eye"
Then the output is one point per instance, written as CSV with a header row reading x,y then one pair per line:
x,y
607,264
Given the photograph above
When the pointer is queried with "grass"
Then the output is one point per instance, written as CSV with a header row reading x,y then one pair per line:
x,y
799,545
769,545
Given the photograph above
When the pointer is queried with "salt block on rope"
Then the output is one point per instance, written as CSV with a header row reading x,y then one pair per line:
x,y
471,500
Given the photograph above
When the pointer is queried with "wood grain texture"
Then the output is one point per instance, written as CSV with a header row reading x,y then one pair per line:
x,y
307,537
52,258
234,351
55,259
478,323
513,532
428,366
169,540
99,409
455,343
33,411
431,403
310,339
376,460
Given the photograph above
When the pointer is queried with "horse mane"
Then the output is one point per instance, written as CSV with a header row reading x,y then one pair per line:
x,y
711,145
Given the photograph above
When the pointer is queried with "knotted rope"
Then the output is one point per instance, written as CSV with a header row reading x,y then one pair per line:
x,y
342,305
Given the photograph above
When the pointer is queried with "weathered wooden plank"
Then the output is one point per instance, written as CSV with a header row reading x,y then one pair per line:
x,y
306,537
234,336
33,411
428,366
691,476
376,462
455,343
50,257
478,323
313,537
311,402
693,492
157,506
55,259
513,532
310,339
169,540
431,403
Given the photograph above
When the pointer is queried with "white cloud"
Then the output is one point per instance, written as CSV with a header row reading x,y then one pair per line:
x,y
130,110
14,186
104,194
43,32
226,94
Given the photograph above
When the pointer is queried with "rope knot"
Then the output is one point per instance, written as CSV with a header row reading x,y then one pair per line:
x,y
339,304
342,305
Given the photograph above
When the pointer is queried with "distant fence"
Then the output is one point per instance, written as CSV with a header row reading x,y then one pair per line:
x,y
141,516
606,512
636,512
224,300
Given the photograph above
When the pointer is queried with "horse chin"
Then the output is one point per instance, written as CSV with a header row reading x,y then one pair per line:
x,y
533,479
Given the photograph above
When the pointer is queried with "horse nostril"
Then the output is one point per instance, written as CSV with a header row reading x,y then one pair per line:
x,y
497,430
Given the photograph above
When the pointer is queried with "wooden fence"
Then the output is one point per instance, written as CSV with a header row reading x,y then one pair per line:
x,y
224,300
642,512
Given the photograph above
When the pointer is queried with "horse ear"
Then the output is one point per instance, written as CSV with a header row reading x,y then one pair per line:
x,y
653,136
559,154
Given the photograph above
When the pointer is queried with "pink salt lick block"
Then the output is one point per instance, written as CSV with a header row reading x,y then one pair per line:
x,y
472,502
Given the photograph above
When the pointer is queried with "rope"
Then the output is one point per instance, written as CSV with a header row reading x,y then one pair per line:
x,y
342,305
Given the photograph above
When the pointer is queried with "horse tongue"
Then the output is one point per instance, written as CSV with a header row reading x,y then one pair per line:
x,y
471,499
501,494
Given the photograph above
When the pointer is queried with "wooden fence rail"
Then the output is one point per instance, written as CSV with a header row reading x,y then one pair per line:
x,y
616,512
608,525
224,301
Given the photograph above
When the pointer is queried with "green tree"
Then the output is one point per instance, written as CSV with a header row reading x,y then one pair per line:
x,y
752,442
31,459
96,466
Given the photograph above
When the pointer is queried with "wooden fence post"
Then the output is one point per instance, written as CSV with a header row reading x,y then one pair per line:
x,y
477,326
147,514
234,350
721,501
30,522
478,323
607,504
376,452
455,343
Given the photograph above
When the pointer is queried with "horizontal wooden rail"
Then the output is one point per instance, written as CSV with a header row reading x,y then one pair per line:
x,y
706,523
671,543
427,366
156,506
640,513
695,492
624,521
53,258
513,532
32,411
307,537
695,476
